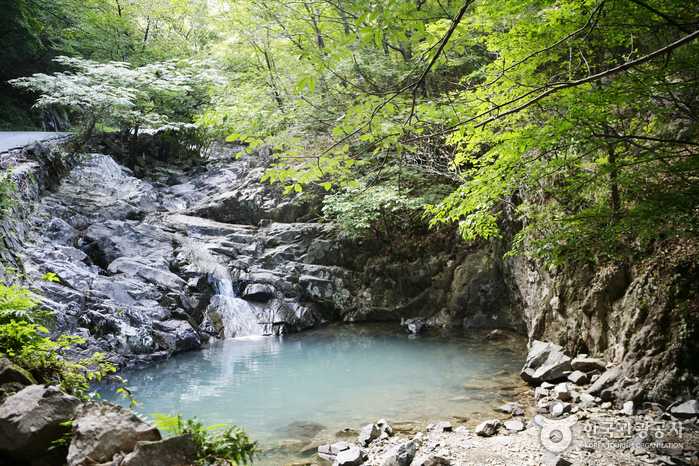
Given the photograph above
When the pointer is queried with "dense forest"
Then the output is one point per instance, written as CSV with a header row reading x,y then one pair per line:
x,y
578,118
559,137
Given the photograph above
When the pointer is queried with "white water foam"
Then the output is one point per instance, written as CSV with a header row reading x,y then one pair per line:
x,y
238,316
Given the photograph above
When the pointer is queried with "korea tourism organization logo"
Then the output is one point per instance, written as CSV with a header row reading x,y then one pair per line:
x,y
558,434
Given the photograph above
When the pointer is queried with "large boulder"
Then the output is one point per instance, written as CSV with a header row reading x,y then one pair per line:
x,y
176,450
546,362
31,419
101,430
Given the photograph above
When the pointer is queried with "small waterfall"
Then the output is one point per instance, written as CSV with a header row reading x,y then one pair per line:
x,y
239,317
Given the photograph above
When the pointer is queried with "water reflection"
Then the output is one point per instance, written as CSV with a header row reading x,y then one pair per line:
x,y
338,376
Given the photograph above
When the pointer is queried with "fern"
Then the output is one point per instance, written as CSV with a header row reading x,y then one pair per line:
x,y
216,445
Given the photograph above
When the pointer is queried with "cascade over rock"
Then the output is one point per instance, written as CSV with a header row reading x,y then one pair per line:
x,y
186,252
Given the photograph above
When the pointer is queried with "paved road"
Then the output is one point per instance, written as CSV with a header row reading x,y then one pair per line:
x,y
17,139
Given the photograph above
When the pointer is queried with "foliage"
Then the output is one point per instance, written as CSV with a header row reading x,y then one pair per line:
x,y
22,341
576,119
377,210
216,445
155,95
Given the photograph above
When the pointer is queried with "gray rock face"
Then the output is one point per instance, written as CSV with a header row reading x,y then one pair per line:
x,y
176,450
546,362
101,430
562,391
30,421
402,455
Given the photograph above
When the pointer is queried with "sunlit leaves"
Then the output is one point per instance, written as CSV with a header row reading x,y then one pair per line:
x,y
118,93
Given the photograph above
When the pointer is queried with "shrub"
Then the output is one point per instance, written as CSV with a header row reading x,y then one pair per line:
x,y
216,445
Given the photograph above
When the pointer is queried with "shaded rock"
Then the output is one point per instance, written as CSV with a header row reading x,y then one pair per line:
x,y
608,393
384,427
604,381
588,364
60,232
414,326
562,391
402,455
258,292
540,392
177,335
353,456
488,428
368,433
552,459
30,420
578,377
686,410
496,335
176,450
10,373
431,460
556,408
100,430
654,407
546,362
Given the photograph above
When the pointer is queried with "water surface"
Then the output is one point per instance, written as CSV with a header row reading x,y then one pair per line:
x,y
337,376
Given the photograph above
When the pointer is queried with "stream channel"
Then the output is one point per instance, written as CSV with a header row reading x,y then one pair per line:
x,y
302,389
